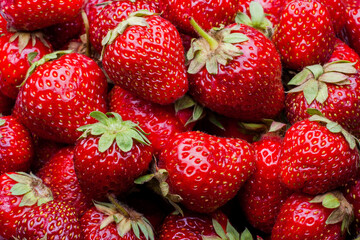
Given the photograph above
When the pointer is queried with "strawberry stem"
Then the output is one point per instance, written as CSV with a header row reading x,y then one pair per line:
x,y
117,205
212,42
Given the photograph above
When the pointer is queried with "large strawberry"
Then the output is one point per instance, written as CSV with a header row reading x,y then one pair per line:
x,y
319,155
18,51
305,34
33,15
110,155
230,69
59,95
16,146
144,55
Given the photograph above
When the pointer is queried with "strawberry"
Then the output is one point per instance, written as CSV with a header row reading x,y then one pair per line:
x,y
33,15
230,70
201,167
159,121
352,30
351,3
306,217
16,49
208,14
16,146
352,194
110,155
19,192
111,15
51,220
59,175
304,35
343,52
336,9
3,25
59,94
326,88
146,75
319,155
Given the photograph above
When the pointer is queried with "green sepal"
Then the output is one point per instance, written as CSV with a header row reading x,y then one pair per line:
x,y
231,232
311,90
20,189
330,201
235,38
301,77
214,120
31,56
219,229
246,235
316,70
183,103
144,179
341,66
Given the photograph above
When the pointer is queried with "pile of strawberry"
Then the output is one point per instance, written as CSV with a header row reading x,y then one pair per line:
x,y
180,119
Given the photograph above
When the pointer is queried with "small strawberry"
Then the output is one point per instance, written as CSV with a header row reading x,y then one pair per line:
x,y
319,155
146,42
305,35
59,175
16,146
33,15
59,94
18,51
110,155
19,193
324,217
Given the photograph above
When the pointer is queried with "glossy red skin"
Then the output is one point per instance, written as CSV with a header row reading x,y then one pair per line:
x,y
352,27
6,104
315,160
111,15
92,9
59,95
111,171
343,52
33,15
160,122
336,9
59,175
352,194
206,171
237,91
351,3
14,64
271,7
263,194
16,146
207,14
305,35
10,212
191,226
55,219
300,220
3,25
133,61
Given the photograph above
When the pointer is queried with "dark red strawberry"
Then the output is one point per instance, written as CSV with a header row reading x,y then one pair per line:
x,y
18,51
19,193
33,15
206,171
208,14
51,220
230,71
352,29
152,62
319,155
305,217
305,35
110,155
16,146
59,95
59,175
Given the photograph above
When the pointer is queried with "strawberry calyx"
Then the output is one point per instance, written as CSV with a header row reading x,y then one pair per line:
x,y
112,129
25,37
213,48
125,219
187,102
258,19
313,80
31,188
334,127
343,211
230,234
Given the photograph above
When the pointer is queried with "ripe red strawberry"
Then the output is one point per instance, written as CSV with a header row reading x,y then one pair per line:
x,y
19,193
59,175
16,146
51,220
208,14
110,155
319,155
111,15
230,71
15,50
305,35
336,9
343,52
352,195
3,25
305,217
152,62
263,194
352,29
58,96
206,171
351,3
33,15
